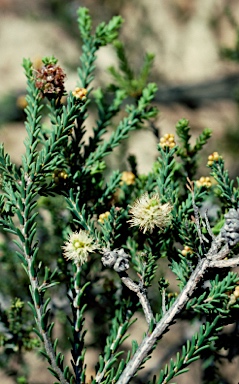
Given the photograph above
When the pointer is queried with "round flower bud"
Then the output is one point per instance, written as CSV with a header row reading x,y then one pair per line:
x,y
80,93
60,176
167,141
186,250
213,158
103,216
204,182
128,178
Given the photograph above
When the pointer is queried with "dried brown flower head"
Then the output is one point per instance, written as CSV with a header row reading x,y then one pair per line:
x,y
50,80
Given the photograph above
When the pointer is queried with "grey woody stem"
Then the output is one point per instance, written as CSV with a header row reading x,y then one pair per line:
x,y
141,293
211,260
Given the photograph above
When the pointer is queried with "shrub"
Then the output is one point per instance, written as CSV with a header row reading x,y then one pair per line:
x,y
99,241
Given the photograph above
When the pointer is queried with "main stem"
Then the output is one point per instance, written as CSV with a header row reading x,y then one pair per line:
x,y
149,341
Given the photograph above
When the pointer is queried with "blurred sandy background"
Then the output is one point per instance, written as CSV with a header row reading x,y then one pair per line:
x,y
185,36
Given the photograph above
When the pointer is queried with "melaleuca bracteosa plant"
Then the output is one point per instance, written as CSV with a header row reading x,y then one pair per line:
x,y
91,242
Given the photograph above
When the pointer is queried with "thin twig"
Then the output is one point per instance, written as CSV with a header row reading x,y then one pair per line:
x,y
141,293
163,301
208,227
190,187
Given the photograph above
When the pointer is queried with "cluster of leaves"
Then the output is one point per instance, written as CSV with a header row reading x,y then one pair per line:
x,y
61,187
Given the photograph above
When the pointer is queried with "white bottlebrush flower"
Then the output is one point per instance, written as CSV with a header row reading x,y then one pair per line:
x,y
148,213
78,247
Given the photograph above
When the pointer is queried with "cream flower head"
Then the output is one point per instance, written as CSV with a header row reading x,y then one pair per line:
x,y
148,213
78,247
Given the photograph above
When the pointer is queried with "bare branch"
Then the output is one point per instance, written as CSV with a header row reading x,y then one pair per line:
x,y
218,255
150,340
190,187
163,301
212,259
208,227
141,293
230,263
